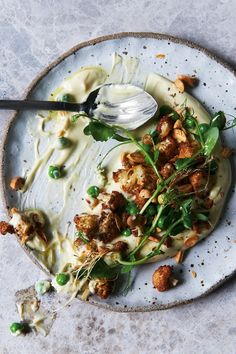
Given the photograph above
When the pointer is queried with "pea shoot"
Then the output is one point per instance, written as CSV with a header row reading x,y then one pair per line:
x,y
93,191
62,279
54,172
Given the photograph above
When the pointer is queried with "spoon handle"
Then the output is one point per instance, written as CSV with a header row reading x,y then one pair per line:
x,y
42,105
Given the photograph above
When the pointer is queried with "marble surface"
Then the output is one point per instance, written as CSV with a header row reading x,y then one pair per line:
x,y
34,33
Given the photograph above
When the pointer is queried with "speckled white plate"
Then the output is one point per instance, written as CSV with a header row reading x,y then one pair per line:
x,y
213,260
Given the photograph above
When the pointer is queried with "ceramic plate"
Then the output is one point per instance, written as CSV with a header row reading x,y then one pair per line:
x,y
213,260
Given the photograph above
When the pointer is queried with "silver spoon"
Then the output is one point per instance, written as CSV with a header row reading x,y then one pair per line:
x,y
117,104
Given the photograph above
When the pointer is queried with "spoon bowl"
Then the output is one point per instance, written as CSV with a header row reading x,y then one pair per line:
x,y
126,105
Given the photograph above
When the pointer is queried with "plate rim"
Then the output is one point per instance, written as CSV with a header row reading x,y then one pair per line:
x,y
28,91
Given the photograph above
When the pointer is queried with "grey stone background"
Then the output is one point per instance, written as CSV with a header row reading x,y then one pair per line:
x,y
32,34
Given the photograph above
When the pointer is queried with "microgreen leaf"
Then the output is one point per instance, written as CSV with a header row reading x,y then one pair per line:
x,y
201,216
168,111
119,138
177,229
182,163
186,205
102,270
218,120
126,269
102,132
99,131
211,139
187,221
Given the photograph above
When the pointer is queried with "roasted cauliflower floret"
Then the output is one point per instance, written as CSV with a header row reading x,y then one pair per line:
x,y
142,197
120,246
135,178
167,148
198,180
167,170
164,126
161,278
179,135
186,150
22,225
117,201
88,224
136,158
103,288
27,224
108,228
6,228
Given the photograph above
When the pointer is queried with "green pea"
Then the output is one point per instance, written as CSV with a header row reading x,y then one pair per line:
x,y
16,326
67,98
54,172
203,128
132,208
151,210
189,123
64,142
93,191
126,232
161,222
62,279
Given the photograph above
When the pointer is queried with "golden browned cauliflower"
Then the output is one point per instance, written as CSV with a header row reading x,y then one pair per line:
x,y
135,158
167,148
86,223
103,288
108,226
167,170
164,126
186,150
161,278
117,201
120,246
135,178
198,180
6,228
